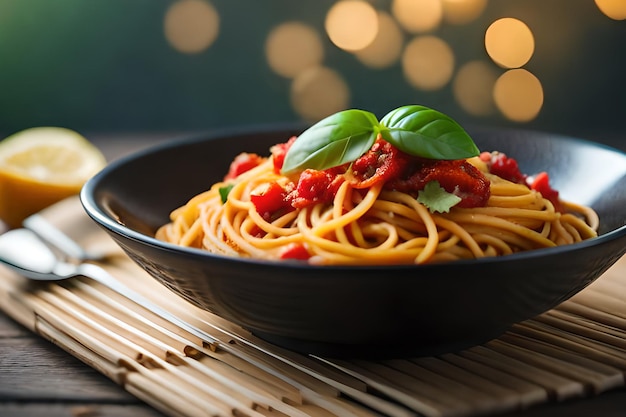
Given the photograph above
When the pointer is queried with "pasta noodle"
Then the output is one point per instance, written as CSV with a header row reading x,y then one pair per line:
x,y
373,225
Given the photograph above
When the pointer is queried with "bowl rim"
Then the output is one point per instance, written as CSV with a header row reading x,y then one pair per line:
x,y
89,204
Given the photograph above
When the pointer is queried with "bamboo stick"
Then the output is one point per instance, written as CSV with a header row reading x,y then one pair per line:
x,y
557,387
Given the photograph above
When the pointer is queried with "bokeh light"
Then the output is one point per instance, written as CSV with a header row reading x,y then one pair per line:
x,y
417,16
386,48
615,9
428,62
460,12
191,26
518,94
351,24
319,92
509,42
473,87
292,47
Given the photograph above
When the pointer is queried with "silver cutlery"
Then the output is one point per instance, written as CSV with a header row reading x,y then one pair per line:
x,y
25,252
55,237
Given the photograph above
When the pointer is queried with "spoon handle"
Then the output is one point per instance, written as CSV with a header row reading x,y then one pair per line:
x,y
55,237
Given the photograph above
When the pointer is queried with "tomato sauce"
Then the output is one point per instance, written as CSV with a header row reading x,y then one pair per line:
x,y
396,169
242,163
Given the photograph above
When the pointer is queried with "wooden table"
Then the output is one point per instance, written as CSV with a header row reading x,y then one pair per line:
x,y
38,378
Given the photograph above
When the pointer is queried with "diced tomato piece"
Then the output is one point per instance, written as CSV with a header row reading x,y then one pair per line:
x,y
271,200
295,251
316,187
541,183
505,167
278,153
242,163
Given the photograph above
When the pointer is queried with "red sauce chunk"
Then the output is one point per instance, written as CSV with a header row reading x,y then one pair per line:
x,y
541,183
272,200
242,163
505,167
383,162
402,172
316,187
457,177
278,153
396,169
295,251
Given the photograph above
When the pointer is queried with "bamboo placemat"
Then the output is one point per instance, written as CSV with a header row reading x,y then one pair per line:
x,y
575,350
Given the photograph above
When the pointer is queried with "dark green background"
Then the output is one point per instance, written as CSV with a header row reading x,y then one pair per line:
x,y
105,66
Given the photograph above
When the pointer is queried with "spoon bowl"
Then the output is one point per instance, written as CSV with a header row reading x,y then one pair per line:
x,y
26,253
23,251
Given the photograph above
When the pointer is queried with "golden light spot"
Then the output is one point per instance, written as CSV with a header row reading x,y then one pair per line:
x,y
473,88
292,47
319,92
509,42
386,48
428,63
518,94
191,26
459,12
418,16
351,24
615,9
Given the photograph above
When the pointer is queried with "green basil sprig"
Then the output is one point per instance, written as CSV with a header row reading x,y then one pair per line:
x,y
224,191
421,131
333,141
343,137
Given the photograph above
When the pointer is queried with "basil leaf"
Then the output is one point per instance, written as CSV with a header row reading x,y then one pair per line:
x,y
424,132
224,191
340,138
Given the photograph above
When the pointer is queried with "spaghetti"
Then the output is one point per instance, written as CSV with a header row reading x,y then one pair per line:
x,y
342,216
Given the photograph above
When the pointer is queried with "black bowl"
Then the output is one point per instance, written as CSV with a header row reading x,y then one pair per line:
x,y
361,311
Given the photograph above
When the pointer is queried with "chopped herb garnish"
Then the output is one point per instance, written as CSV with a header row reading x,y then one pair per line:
x,y
436,198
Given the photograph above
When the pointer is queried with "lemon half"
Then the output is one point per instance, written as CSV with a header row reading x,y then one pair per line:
x,y
41,166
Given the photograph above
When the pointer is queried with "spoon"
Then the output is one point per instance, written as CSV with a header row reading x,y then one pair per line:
x,y
25,252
